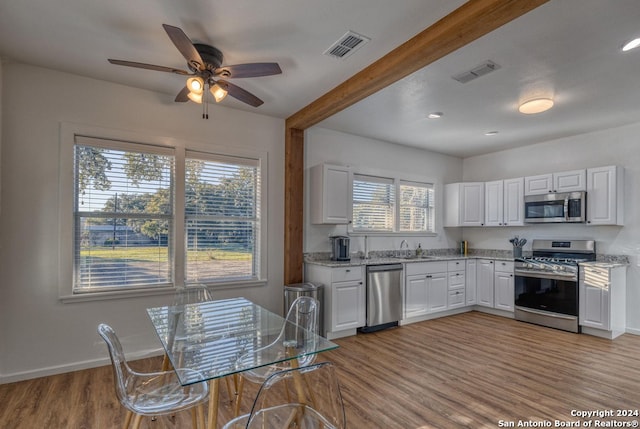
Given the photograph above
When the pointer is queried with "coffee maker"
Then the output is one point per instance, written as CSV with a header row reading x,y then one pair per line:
x,y
340,248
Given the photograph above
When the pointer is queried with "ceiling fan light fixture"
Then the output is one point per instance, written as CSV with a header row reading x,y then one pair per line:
x,y
218,92
537,105
195,84
196,98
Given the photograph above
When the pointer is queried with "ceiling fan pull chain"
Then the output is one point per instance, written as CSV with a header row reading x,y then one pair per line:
x,y
206,105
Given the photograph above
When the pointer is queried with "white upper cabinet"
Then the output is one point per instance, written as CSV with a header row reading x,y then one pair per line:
x,y
605,196
494,203
504,202
566,181
330,194
464,204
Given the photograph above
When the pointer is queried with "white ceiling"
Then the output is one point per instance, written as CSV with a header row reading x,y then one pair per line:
x,y
568,49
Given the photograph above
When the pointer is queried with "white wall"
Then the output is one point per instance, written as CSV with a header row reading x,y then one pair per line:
x,y
617,146
39,334
370,156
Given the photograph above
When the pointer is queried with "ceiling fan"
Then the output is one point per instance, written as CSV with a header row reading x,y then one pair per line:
x,y
206,70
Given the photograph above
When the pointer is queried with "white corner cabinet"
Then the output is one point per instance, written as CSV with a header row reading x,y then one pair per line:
x,y
605,195
464,204
330,194
602,298
344,298
504,202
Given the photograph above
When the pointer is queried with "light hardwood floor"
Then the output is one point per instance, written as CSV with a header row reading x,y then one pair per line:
x,y
471,370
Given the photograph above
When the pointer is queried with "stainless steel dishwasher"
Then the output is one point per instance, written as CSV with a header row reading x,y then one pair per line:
x,y
384,296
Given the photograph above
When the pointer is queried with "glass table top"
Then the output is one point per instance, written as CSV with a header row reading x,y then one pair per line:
x,y
223,337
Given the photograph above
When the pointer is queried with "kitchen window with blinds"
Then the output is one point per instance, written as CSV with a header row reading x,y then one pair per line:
x,y
373,203
123,215
416,207
222,218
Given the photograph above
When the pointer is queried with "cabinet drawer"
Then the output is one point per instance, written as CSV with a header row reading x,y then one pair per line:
x,y
456,265
425,268
456,298
504,266
456,280
346,274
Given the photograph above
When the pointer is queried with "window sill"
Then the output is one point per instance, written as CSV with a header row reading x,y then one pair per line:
x,y
125,294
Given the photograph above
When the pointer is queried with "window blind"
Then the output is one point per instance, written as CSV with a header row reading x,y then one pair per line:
x,y
416,207
123,214
373,203
222,218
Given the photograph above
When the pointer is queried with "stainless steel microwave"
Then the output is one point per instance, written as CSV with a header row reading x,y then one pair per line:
x,y
556,208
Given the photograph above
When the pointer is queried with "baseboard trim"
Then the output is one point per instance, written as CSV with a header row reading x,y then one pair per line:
x,y
74,366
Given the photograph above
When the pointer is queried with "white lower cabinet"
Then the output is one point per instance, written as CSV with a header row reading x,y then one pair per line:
x,y
602,299
485,279
344,298
432,287
495,284
426,288
456,284
503,286
470,281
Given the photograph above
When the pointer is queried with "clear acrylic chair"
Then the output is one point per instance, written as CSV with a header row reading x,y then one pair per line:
x,y
183,296
302,398
294,339
152,394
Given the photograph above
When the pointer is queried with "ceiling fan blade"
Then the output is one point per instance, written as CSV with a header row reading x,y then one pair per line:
x,y
185,46
241,94
249,70
183,96
148,67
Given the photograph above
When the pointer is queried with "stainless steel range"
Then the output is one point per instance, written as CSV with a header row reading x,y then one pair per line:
x,y
546,284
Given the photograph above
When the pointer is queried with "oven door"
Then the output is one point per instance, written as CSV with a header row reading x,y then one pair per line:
x,y
547,292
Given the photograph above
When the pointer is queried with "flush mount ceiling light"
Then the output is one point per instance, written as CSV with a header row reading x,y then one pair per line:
x,y
435,115
491,133
537,105
631,45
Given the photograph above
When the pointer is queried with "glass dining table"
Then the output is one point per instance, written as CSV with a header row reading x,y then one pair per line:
x,y
210,337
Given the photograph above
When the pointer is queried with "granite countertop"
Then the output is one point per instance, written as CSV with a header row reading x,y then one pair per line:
x,y
354,262
435,255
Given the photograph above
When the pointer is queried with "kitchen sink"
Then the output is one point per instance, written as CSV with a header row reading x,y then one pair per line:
x,y
415,257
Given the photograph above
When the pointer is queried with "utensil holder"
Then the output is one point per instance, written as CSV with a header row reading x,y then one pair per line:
x,y
517,252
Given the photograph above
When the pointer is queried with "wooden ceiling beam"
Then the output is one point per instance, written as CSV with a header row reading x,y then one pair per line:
x,y
469,22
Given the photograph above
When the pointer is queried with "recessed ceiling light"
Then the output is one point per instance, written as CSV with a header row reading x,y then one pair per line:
x,y
491,133
537,105
630,45
435,115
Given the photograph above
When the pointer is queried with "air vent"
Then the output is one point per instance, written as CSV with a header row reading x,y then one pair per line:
x,y
347,45
480,70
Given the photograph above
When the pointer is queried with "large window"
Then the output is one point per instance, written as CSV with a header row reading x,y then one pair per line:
x,y
377,209
123,215
148,216
222,217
